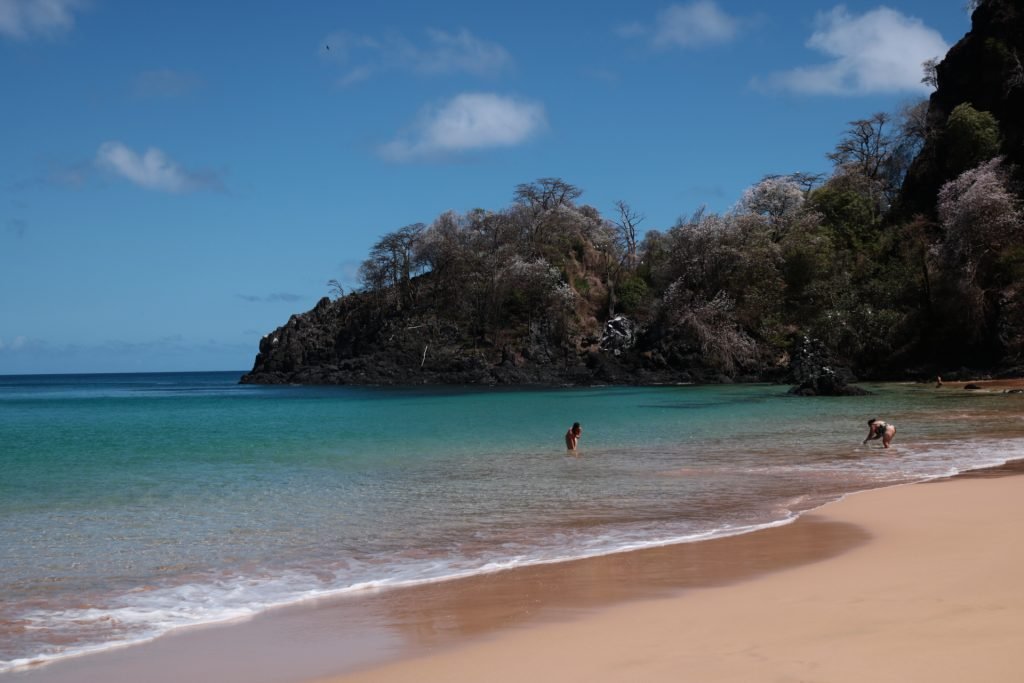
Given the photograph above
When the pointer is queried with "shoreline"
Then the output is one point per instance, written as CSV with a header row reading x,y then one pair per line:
x,y
380,635
927,590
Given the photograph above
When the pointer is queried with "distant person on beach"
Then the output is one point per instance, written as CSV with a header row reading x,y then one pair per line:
x,y
880,430
572,437
938,381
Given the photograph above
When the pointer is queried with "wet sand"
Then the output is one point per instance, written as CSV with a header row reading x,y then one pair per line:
x,y
916,582
307,641
988,385
925,586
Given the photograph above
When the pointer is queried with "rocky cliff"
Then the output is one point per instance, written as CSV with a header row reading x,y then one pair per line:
x,y
350,341
985,69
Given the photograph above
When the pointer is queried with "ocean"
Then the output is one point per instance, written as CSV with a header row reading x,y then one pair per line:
x,y
134,505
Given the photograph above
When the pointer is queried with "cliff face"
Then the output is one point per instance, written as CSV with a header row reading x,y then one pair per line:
x,y
986,70
350,341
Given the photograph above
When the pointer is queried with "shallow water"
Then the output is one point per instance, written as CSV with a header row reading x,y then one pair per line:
x,y
132,505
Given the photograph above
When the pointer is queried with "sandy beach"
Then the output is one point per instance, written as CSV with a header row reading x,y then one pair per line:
x,y
918,582
921,583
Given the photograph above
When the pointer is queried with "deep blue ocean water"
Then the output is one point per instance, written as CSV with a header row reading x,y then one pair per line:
x,y
132,505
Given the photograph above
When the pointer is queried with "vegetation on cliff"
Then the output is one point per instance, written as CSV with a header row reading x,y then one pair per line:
x,y
906,260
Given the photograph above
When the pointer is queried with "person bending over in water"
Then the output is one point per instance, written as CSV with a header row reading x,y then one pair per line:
x,y
572,437
880,430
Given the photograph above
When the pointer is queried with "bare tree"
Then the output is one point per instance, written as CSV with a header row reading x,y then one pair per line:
x,y
537,206
865,147
374,276
696,218
912,123
931,72
392,262
911,131
546,194
805,180
627,224
875,157
335,288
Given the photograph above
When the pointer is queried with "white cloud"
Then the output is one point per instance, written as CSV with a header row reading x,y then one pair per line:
x,y
442,53
879,51
24,19
698,24
467,122
695,25
462,51
152,170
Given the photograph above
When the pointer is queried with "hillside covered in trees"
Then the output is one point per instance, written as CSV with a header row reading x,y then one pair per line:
x,y
906,261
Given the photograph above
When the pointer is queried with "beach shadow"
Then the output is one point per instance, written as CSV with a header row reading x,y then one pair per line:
x,y
435,615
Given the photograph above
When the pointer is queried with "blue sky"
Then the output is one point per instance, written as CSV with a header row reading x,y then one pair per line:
x,y
178,178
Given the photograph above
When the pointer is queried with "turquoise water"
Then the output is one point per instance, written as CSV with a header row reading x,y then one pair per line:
x,y
132,505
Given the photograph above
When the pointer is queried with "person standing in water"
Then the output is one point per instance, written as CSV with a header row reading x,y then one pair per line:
x,y
572,437
880,430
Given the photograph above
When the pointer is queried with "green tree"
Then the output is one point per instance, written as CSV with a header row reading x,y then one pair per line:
x,y
633,294
847,209
971,137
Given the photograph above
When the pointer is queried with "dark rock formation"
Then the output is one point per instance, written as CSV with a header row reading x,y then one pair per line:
x,y
620,334
353,341
815,374
984,69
